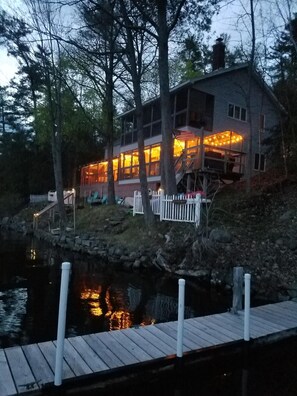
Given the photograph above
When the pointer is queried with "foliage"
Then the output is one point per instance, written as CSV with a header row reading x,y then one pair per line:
x,y
284,55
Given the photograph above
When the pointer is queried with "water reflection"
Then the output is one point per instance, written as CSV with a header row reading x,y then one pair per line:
x,y
101,298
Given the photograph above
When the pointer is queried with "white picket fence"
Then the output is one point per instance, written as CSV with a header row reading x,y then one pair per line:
x,y
171,207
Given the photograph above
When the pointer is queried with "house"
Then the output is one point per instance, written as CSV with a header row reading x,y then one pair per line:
x,y
212,125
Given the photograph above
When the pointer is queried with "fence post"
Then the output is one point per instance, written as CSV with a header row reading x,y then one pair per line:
x,y
161,204
181,315
134,203
237,289
62,323
197,210
247,306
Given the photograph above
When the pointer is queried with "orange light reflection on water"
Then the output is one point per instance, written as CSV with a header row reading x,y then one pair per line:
x,y
118,316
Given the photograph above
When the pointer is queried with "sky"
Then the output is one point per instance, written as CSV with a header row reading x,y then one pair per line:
x,y
228,21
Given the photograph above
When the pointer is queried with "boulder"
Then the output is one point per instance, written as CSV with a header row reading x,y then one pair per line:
x,y
220,235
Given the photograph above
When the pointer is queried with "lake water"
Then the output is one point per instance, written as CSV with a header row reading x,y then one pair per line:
x,y
104,298
101,297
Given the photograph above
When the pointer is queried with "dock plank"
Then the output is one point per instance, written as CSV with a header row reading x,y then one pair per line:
x,y
104,353
197,342
20,369
211,329
222,320
140,354
119,350
29,367
48,350
39,365
280,315
88,354
287,310
206,339
7,386
273,318
156,341
77,364
219,326
151,349
171,331
171,342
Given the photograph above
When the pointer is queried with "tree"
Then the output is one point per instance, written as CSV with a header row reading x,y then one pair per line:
x,y
135,44
284,71
44,19
163,17
101,49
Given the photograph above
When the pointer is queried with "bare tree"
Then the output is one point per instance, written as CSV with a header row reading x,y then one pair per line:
x,y
45,20
164,16
136,43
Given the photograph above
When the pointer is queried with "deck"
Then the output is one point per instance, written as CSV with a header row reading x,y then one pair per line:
x,y
30,368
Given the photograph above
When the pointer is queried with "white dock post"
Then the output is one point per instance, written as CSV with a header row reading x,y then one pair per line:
x,y
62,323
247,306
180,320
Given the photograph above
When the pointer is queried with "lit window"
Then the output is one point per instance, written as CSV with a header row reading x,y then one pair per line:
x,y
259,162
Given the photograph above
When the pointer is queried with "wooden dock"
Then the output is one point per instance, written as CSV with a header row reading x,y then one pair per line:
x,y
30,368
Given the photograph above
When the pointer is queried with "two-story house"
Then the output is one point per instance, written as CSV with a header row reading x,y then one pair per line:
x,y
216,117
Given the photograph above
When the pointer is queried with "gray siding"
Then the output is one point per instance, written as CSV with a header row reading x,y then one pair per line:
x,y
233,88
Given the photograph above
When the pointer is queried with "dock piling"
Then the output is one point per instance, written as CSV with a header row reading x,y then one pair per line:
x,y
61,323
181,316
247,306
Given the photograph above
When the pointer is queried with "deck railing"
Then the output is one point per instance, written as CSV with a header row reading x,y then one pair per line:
x,y
50,209
181,207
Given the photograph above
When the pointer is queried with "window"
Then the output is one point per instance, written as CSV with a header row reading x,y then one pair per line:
x,y
237,112
129,166
259,162
261,122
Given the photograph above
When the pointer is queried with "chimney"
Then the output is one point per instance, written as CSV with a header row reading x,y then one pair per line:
x,y
218,54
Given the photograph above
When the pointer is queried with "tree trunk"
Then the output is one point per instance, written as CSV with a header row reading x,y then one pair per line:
x,y
249,102
147,209
168,180
109,126
57,162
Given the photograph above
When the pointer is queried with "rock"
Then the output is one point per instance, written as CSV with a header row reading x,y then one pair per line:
x,y
87,242
160,262
220,235
136,264
279,242
5,221
292,245
287,216
133,256
201,274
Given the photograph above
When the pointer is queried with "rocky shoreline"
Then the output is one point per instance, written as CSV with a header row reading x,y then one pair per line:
x,y
270,256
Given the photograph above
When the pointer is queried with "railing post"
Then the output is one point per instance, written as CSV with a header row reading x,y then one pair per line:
x,y
62,323
237,289
197,210
134,203
161,204
181,315
247,306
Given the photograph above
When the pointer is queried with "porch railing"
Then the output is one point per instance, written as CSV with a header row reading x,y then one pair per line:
x,y
222,161
180,208
154,201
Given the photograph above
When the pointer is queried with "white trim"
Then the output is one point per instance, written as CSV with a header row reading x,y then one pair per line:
x,y
134,181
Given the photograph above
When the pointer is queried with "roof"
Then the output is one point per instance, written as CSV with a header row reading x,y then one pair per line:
x,y
218,73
